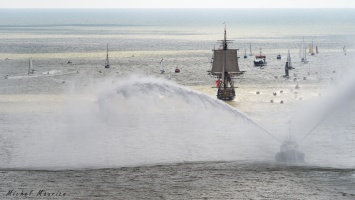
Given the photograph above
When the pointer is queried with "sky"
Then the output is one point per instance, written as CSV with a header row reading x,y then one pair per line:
x,y
177,3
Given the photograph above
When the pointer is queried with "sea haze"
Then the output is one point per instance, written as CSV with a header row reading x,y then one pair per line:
x,y
130,132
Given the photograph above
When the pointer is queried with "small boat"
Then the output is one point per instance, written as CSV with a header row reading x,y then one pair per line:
x,y
289,152
278,56
31,70
311,49
260,60
245,54
225,67
162,70
250,52
303,53
288,62
177,70
107,63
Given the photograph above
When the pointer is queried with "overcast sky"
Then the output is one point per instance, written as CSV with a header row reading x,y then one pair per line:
x,y
177,3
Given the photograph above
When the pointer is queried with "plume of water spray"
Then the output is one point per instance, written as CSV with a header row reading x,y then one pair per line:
x,y
338,97
138,121
327,119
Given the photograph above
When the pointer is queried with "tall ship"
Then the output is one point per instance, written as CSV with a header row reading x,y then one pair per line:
x,y
225,68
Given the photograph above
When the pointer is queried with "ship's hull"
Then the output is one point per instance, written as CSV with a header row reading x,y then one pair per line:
x,y
290,156
259,63
226,93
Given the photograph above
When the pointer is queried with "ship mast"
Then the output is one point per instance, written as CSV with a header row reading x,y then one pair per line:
x,y
224,42
225,46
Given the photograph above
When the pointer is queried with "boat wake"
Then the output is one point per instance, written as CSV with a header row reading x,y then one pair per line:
x,y
44,74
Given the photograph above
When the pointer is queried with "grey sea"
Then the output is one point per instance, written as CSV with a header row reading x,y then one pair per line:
x,y
77,130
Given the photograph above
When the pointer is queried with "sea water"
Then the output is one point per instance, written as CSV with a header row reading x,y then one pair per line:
x,y
131,132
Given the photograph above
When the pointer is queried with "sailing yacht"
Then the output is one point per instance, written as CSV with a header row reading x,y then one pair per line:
x,y
162,66
30,67
107,63
311,49
250,52
245,53
225,67
303,53
288,61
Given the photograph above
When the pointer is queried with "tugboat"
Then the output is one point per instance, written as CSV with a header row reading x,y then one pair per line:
x,y
260,60
289,152
225,67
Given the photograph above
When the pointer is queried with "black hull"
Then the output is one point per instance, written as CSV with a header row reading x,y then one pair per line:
x,y
226,93
259,64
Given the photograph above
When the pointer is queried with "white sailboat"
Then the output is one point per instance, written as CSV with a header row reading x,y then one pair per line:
x,y
305,56
288,62
31,70
344,50
250,52
245,53
311,49
303,53
107,63
162,70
